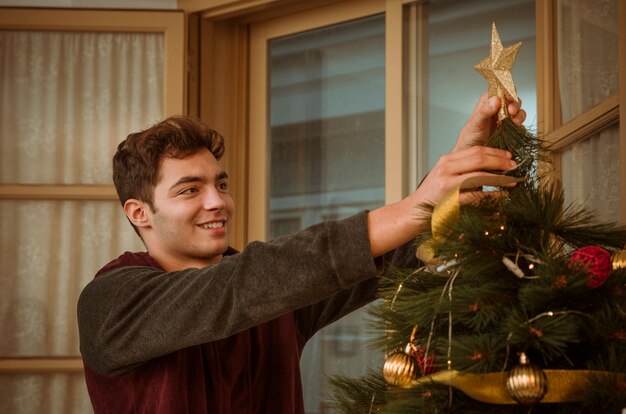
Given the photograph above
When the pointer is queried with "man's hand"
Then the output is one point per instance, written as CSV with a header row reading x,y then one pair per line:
x,y
482,122
452,169
392,225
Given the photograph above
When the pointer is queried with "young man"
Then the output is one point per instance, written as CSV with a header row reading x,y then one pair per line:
x,y
191,326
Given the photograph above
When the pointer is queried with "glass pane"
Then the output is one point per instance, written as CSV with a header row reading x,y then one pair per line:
x,y
49,250
587,39
70,97
44,393
591,174
327,103
459,38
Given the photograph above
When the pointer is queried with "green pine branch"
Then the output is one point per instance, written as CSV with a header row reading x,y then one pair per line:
x,y
503,285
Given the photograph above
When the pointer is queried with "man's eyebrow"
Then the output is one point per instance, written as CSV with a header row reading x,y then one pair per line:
x,y
188,179
198,179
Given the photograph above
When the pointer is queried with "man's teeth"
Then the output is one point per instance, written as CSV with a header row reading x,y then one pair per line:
x,y
215,225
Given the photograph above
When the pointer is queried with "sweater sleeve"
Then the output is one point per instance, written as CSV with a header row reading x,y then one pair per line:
x,y
312,318
132,314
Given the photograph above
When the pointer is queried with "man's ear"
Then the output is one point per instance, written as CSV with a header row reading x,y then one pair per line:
x,y
137,212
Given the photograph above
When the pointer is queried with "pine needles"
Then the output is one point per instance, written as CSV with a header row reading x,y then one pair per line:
x,y
503,284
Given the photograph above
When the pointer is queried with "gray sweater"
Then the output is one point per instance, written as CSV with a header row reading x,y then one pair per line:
x,y
134,314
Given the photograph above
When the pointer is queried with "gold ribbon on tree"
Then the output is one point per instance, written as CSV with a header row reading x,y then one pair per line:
x,y
447,212
563,385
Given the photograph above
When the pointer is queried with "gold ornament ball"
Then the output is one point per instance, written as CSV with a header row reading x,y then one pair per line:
x,y
527,383
619,259
400,369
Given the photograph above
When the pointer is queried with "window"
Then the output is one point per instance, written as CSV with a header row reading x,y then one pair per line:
x,y
580,97
318,82
459,37
308,73
325,152
70,96
327,129
430,47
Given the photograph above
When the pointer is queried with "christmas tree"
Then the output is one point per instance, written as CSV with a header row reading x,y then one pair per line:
x,y
521,303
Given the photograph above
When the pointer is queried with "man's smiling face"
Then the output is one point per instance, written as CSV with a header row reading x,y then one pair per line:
x,y
192,211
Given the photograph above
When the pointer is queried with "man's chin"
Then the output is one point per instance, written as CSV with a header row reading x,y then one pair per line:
x,y
216,251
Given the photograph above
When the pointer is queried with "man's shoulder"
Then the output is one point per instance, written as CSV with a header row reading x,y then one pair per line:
x,y
141,259
129,259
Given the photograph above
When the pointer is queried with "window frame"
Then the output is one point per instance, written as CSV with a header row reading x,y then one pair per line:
x,y
608,112
172,24
223,29
260,35
228,94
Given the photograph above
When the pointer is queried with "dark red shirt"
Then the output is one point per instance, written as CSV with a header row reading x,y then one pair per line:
x,y
254,371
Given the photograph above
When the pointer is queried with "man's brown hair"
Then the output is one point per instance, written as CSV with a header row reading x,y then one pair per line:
x,y
137,160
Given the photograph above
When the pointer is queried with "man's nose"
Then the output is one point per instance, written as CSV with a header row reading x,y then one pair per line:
x,y
213,200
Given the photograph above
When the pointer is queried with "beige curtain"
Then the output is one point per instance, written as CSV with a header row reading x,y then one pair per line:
x,y
588,74
591,174
68,99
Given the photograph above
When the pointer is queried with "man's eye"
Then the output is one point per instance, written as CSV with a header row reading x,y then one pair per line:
x,y
222,186
189,190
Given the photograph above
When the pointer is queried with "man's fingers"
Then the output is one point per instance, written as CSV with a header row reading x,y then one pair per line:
x,y
480,124
475,159
477,150
520,117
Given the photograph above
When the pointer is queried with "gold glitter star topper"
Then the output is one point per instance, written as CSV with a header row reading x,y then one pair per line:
x,y
496,68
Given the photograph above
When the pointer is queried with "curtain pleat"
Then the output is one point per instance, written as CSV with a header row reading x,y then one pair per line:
x,y
588,74
74,97
591,174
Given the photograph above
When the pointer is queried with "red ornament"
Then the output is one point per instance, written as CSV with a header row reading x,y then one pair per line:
x,y
596,261
425,362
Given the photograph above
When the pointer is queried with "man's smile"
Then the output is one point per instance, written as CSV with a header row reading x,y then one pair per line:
x,y
213,225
